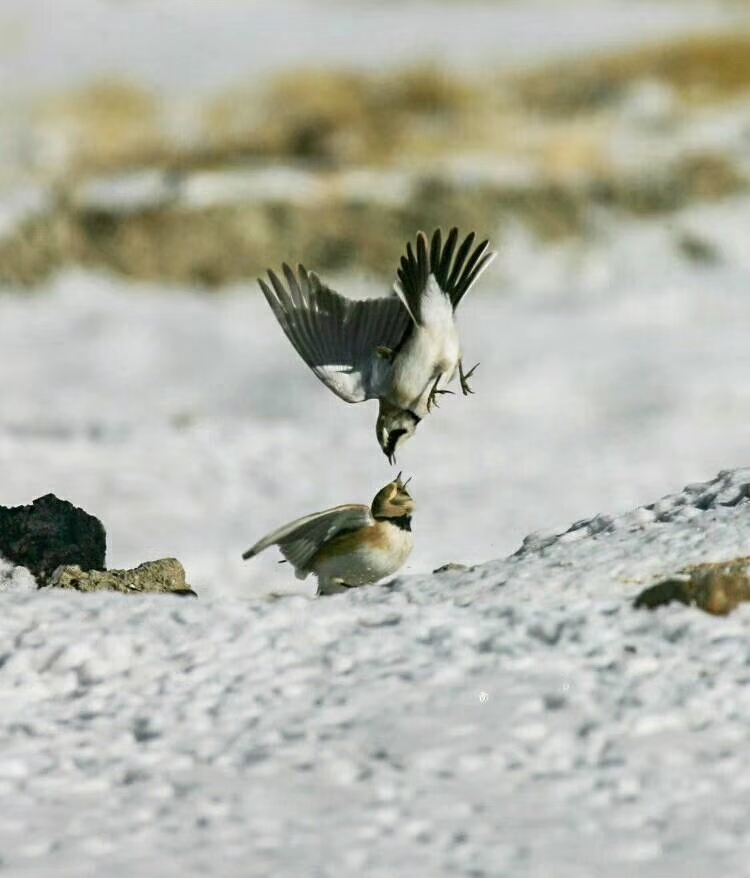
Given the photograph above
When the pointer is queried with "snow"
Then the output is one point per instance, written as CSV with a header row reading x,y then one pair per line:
x,y
519,718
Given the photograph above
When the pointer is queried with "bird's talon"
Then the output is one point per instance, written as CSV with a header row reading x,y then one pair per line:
x,y
464,378
432,399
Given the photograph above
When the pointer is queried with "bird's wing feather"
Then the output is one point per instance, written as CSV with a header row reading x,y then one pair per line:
x,y
337,337
455,270
299,540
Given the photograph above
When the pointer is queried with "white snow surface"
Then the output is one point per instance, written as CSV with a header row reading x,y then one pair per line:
x,y
521,719
517,719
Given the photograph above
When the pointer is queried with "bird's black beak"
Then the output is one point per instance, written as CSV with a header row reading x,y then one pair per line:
x,y
390,448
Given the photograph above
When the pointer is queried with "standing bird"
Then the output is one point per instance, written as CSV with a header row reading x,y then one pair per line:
x,y
401,349
348,545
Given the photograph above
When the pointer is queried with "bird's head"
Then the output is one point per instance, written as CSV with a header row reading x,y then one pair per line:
x,y
393,500
393,427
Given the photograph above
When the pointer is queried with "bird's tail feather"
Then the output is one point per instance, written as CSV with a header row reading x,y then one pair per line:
x,y
455,269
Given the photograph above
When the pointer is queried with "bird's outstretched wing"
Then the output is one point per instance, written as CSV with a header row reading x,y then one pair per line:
x,y
454,270
337,337
299,540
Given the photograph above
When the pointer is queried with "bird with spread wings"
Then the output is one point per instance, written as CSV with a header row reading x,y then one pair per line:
x,y
401,349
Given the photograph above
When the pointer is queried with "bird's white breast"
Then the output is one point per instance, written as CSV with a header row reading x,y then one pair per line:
x,y
380,551
429,352
432,350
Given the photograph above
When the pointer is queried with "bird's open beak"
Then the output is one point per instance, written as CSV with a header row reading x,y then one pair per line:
x,y
392,458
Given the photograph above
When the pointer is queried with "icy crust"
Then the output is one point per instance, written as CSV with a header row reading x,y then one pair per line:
x,y
520,718
615,556
727,489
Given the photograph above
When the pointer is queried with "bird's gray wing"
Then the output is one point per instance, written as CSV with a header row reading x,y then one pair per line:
x,y
299,540
455,270
337,337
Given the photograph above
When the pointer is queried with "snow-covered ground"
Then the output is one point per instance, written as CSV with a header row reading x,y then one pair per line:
x,y
518,720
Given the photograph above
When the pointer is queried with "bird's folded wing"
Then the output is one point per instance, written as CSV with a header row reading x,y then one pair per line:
x,y
299,540
337,337
455,270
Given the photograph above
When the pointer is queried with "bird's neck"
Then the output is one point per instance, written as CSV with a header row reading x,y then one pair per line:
x,y
403,522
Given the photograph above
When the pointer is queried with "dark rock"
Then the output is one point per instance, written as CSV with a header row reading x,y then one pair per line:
x,y
49,533
666,592
165,576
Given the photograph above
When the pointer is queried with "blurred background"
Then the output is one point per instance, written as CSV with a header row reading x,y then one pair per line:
x,y
157,155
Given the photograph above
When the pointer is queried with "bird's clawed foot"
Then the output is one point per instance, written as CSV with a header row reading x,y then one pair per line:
x,y
464,378
434,393
332,586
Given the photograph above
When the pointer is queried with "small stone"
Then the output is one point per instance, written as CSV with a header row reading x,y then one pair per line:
x,y
165,576
452,567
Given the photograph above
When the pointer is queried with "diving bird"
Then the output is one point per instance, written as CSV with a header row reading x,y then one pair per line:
x,y
348,545
401,349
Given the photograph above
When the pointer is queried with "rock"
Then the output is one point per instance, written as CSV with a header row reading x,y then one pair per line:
x,y
452,567
665,592
49,533
716,588
163,576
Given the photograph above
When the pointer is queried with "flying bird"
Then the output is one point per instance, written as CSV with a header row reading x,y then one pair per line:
x,y
400,349
348,545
